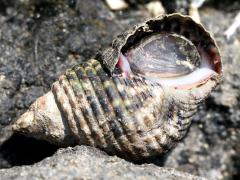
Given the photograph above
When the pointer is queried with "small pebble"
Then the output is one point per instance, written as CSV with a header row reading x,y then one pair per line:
x,y
117,4
155,8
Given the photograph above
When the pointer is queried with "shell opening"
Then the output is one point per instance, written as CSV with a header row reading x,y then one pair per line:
x,y
172,50
168,59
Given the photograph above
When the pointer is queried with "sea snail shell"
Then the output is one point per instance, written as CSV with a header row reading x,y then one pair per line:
x,y
137,97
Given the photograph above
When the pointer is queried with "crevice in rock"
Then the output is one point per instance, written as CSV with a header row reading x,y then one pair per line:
x,y
20,150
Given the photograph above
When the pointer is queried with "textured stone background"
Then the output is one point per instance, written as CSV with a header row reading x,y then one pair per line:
x,y
40,39
90,163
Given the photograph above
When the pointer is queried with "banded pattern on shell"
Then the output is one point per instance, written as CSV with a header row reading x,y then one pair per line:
x,y
116,114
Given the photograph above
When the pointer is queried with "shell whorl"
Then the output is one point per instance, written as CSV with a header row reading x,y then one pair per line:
x,y
128,117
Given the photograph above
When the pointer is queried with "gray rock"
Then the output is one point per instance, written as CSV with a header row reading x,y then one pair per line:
x,y
41,39
83,162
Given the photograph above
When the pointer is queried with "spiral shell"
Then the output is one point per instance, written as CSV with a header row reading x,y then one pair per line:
x,y
111,113
132,116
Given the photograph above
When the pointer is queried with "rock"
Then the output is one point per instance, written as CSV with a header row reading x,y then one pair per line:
x,y
233,28
155,8
116,4
180,6
83,162
41,39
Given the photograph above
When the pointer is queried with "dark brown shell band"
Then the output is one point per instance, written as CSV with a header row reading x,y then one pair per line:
x,y
119,115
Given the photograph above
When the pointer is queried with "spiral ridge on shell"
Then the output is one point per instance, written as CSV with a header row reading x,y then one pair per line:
x,y
116,114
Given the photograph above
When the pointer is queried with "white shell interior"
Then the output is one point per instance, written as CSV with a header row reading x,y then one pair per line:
x,y
196,77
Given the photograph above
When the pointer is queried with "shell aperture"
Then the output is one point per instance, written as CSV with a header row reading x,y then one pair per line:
x,y
167,58
163,55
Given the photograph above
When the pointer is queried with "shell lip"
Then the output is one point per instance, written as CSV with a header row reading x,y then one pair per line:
x,y
109,58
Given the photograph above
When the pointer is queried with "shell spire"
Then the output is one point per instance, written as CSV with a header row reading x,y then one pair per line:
x,y
137,97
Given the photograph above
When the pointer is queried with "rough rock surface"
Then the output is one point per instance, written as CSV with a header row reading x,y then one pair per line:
x,y
84,162
41,39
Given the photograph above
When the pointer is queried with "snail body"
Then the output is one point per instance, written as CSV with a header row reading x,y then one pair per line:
x,y
137,97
